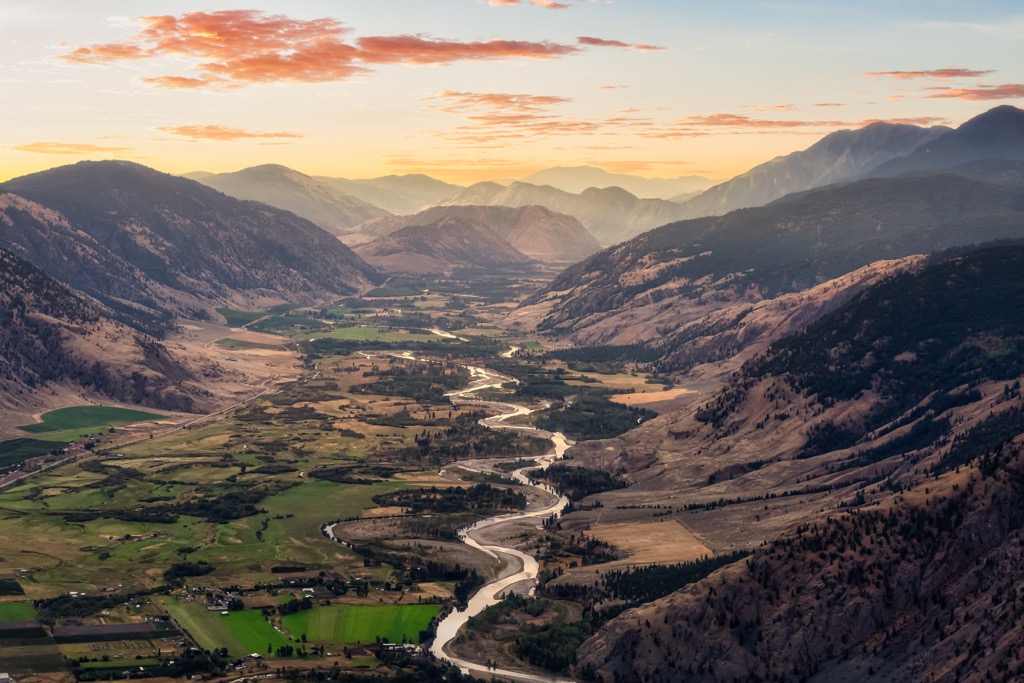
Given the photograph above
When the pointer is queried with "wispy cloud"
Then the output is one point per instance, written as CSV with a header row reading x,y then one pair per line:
x,y
930,73
233,48
546,4
68,148
224,133
604,42
978,94
463,101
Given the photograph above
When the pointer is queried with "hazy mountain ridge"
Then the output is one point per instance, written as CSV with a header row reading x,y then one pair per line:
x,y
401,195
448,243
996,134
310,198
576,179
533,230
196,247
905,402
838,157
611,215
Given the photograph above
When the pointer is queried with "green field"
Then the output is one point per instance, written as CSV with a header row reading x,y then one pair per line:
x,y
374,334
16,611
121,664
237,318
385,292
16,450
229,343
361,623
87,417
242,633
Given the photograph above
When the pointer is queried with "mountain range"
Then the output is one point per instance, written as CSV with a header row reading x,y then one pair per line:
x,y
611,214
160,244
442,245
576,179
53,338
877,452
662,287
312,199
838,157
534,231
397,194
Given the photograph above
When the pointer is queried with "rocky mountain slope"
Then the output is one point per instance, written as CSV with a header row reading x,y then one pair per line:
x,y
611,215
995,134
448,243
838,157
668,286
397,194
51,337
131,236
533,230
312,199
576,179
879,453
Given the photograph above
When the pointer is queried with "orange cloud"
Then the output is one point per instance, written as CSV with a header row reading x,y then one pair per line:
x,y
603,42
743,121
214,132
233,48
909,121
981,93
420,50
460,101
932,73
67,148
829,104
610,87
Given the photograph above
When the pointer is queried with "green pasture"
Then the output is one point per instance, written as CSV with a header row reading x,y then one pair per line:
x,y
243,632
229,343
373,333
386,292
16,611
86,417
361,623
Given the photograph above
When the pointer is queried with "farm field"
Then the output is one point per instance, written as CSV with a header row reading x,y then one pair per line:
x,y
373,333
86,417
243,632
16,611
361,623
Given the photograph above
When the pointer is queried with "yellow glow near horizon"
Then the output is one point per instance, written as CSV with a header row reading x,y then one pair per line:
x,y
466,91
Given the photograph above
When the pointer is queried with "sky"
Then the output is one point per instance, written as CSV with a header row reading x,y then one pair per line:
x,y
471,90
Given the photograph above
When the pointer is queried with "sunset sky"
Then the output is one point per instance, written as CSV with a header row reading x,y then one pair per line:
x,y
470,90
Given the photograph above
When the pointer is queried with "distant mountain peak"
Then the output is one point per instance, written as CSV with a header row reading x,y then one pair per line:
x,y
994,134
576,179
840,156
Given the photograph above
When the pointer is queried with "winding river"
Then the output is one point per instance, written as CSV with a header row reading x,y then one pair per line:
x,y
520,568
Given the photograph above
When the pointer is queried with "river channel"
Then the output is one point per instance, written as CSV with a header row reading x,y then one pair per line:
x,y
512,558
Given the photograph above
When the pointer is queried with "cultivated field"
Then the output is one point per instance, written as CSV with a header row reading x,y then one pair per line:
x,y
361,623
